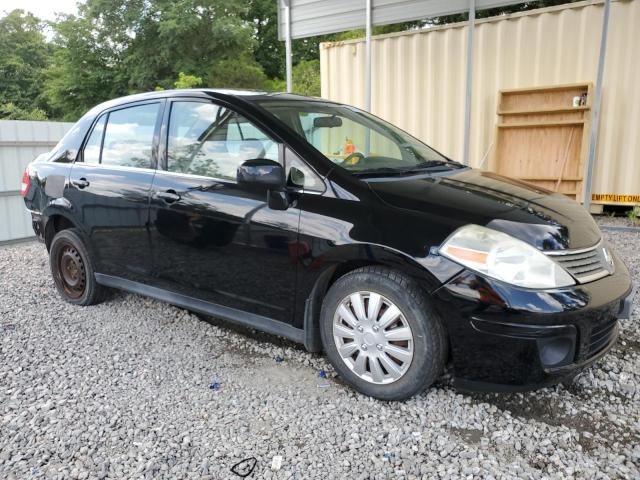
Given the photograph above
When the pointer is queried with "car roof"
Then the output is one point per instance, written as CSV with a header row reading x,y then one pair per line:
x,y
250,96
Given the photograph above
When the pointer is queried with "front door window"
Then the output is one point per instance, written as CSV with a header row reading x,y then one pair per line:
x,y
212,141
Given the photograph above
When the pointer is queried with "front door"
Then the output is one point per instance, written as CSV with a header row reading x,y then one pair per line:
x,y
211,239
109,189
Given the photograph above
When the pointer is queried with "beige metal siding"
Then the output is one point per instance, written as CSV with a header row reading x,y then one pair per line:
x,y
20,143
418,79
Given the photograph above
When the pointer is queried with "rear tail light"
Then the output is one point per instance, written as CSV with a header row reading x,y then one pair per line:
x,y
26,183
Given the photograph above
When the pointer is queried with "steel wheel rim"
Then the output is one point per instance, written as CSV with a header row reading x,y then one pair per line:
x,y
71,271
373,337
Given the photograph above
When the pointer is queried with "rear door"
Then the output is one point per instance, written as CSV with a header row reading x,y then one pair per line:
x,y
109,188
211,239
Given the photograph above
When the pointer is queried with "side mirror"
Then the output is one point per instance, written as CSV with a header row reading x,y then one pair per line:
x,y
261,172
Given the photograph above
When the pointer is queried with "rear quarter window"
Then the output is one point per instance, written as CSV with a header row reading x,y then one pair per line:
x,y
67,149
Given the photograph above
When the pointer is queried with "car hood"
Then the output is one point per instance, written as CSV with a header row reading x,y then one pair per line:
x,y
546,220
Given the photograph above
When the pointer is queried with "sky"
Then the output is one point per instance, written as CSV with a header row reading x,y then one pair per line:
x,y
43,9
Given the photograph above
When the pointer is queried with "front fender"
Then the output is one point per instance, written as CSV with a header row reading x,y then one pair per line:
x,y
430,271
318,273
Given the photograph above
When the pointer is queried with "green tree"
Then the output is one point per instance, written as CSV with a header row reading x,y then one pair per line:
x,y
84,70
187,81
306,78
181,35
23,57
113,48
262,16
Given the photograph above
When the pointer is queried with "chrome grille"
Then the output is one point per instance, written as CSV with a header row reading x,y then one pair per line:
x,y
585,265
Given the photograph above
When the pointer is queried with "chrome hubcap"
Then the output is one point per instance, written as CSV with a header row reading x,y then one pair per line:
x,y
373,337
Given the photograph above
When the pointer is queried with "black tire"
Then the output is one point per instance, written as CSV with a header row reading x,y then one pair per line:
x,y
72,269
429,338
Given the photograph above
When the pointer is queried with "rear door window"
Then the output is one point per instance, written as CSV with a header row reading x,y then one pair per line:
x,y
128,137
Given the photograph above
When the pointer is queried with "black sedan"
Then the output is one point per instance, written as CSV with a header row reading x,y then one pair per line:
x,y
321,223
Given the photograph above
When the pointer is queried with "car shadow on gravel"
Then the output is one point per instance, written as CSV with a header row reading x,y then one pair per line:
x,y
280,343
251,333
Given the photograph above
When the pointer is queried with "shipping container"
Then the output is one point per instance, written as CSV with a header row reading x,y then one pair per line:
x,y
418,81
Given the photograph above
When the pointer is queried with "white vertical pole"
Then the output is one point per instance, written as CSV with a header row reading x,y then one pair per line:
x,y
469,80
367,58
597,101
367,74
287,44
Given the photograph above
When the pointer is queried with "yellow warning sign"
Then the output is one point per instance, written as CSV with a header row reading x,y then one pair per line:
x,y
613,198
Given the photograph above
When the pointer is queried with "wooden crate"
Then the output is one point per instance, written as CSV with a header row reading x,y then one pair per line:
x,y
542,138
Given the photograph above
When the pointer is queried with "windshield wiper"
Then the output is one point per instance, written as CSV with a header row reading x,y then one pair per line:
x,y
437,163
381,171
397,172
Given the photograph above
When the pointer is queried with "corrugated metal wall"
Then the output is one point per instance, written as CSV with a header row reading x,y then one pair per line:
x,y
419,78
20,143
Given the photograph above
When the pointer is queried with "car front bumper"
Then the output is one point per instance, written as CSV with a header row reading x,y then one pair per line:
x,y
506,338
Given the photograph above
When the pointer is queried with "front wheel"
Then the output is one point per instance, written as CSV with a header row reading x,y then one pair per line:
x,y
381,334
72,269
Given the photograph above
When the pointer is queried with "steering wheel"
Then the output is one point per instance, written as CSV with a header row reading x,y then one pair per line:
x,y
353,159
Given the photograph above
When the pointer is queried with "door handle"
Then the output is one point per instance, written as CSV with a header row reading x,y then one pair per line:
x,y
170,196
81,182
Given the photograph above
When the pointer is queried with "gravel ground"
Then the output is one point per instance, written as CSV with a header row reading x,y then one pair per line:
x,y
619,221
135,388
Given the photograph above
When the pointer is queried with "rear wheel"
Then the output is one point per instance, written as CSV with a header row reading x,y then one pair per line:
x,y
381,334
72,269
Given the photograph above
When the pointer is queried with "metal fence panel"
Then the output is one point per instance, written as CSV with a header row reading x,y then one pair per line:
x,y
20,143
418,80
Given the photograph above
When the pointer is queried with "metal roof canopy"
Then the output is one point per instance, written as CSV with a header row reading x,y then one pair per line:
x,y
321,17
307,18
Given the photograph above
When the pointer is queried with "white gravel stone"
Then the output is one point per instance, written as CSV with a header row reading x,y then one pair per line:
x,y
122,390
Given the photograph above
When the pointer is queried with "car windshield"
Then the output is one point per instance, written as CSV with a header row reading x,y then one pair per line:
x,y
357,140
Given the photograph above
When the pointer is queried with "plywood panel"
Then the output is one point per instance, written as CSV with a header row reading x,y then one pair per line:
x,y
538,152
543,141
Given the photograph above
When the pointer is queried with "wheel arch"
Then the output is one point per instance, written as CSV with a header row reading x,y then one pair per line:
x,y
347,259
57,221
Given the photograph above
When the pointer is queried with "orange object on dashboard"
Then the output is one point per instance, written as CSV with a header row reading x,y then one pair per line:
x,y
349,146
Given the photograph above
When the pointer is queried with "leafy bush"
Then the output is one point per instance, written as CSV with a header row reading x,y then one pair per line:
x,y
9,111
634,214
237,73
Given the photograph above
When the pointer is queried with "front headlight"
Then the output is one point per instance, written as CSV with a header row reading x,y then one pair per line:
x,y
503,257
